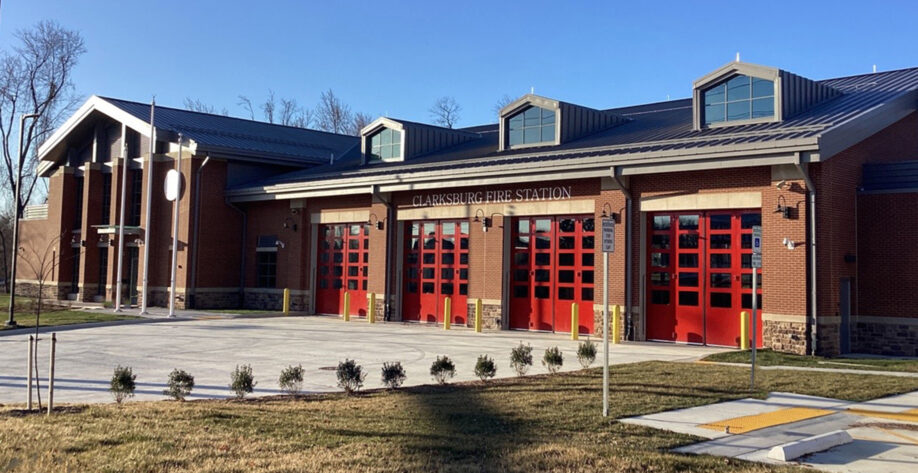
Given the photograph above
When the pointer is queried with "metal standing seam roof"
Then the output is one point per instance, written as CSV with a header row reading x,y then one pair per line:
x,y
242,137
655,127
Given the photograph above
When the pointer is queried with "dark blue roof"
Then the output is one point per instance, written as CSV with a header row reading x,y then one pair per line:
x,y
236,137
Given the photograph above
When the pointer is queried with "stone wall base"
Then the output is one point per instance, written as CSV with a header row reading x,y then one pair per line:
x,y
597,323
49,291
204,299
160,298
490,316
783,336
264,300
886,337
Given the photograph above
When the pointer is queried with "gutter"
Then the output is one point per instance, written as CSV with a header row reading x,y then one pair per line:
x,y
193,279
811,267
629,323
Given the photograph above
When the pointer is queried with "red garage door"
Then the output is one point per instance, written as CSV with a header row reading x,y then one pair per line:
x,y
551,270
342,266
699,276
436,267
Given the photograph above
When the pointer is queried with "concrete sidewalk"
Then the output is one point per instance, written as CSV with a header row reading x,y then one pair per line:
x,y
210,349
885,431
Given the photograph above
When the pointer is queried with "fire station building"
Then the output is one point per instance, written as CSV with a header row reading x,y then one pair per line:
x,y
426,221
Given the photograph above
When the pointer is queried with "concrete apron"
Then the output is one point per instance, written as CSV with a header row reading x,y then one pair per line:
x,y
210,349
884,431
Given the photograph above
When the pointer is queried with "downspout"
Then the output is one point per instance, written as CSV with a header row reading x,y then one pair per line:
x,y
390,245
629,323
245,228
811,197
197,223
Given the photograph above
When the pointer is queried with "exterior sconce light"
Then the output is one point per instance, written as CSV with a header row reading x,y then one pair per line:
x,y
784,210
290,223
138,241
279,244
484,221
374,221
789,244
616,217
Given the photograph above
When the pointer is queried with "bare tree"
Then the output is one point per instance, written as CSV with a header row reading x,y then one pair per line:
x,y
359,121
41,261
332,114
196,105
269,106
502,102
35,78
445,112
246,104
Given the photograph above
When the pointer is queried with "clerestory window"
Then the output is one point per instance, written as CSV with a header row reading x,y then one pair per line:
x,y
531,126
739,98
386,145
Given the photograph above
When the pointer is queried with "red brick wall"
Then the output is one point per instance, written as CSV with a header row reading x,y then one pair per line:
x,y
887,265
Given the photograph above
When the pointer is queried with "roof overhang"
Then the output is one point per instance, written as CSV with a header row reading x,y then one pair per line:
x,y
846,134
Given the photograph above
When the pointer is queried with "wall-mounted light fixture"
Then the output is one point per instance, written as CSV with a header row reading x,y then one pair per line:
x,y
784,210
279,244
290,223
607,212
374,221
789,244
480,218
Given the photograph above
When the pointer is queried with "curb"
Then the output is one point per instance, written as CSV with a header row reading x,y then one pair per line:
x,y
816,443
69,327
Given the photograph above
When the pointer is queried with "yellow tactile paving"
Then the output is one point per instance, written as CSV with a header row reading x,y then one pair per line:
x,y
910,415
740,425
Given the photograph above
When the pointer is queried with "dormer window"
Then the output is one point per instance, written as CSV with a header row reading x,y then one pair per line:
x,y
532,126
739,98
386,145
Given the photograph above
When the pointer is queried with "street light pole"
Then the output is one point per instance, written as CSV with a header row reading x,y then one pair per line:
x,y
16,214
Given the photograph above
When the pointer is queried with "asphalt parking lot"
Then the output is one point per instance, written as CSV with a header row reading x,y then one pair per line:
x,y
210,349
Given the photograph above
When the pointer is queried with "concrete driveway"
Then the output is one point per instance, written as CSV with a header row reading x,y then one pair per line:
x,y
210,349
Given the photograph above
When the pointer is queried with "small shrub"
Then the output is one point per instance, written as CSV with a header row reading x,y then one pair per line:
x,y
485,368
291,379
442,369
553,359
123,384
350,376
521,359
393,375
242,381
586,353
180,384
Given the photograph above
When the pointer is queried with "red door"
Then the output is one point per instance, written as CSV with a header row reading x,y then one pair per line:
x,y
342,266
436,267
699,276
552,269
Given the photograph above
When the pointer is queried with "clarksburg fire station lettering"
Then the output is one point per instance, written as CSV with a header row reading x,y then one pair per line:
x,y
531,194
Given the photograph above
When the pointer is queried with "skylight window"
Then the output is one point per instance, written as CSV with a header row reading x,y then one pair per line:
x,y
739,98
386,145
531,126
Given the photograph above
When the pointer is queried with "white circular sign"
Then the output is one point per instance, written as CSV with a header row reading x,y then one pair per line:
x,y
173,185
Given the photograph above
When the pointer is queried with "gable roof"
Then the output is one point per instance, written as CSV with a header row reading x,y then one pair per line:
x,y
223,136
657,136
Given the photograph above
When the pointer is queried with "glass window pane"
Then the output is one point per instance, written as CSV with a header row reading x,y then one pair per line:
x,y
541,292
542,259
430,258
548,133
715,94
587,259
427,288
762,88
660,242
385,137
738,88
689,298
464,258
521,259
659,260
566,293
659,278
720,242
566,276
688,240
522,226
738,111
396,137
521,275
586,277
446,288
464,228
688,222
516,121
714,113
532,116
566,243
396,150
428,273
522,242
385,152
720,260
661,222
566,259
542,225
720,221
659,297
567,225
548,116
542,275
688,279
746,281
516,137
588,225
589,242
531,135
542,242
447,273
721,280
763,107
721,299
749,220
448,258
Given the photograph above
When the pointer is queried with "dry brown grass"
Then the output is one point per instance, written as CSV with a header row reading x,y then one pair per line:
x,y
541,423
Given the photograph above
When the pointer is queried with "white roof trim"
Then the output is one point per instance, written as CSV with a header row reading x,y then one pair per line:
x,y
94,103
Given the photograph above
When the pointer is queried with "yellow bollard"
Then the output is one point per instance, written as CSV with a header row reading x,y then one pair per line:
x,y
616,329
371,314
575,321
286,301
744,330
347,306
447,313
478,316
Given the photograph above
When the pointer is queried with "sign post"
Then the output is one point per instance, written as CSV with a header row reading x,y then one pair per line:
x,y
608,246
756,264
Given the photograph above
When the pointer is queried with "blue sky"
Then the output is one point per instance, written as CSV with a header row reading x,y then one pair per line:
x,y
395,58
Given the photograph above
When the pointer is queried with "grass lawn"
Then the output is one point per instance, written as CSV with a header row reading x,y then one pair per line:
x,y
26,319
540,423
772,358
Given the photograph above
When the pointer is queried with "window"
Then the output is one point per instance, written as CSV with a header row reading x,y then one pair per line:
x,y
136,193
739,98
266,269
386,145
103,270
106,198
532,125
